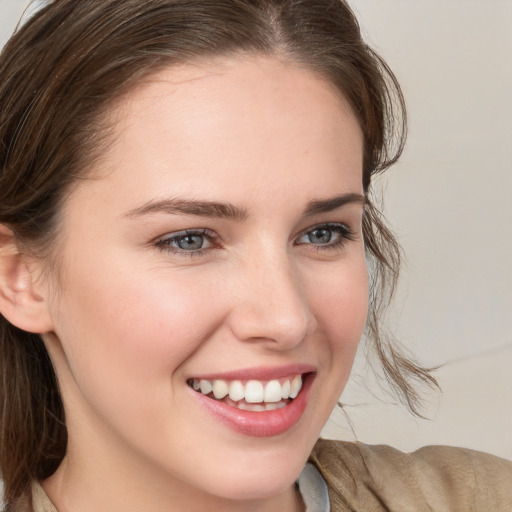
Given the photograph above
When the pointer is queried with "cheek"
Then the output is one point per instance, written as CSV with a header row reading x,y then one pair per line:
x,y
131,325
340,302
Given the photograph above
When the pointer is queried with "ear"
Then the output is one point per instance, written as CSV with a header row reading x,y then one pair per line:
x,y
20,302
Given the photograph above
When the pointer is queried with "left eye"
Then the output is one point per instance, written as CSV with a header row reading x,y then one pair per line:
x,y
327,234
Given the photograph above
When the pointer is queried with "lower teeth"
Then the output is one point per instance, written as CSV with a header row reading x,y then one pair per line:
x,y
260,407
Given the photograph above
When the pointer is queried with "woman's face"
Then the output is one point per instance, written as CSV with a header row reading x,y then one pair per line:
x,y
221,247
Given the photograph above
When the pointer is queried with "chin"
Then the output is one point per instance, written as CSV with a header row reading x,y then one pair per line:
x,y
253,484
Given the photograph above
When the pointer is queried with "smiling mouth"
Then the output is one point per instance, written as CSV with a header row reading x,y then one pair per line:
x,y
251,395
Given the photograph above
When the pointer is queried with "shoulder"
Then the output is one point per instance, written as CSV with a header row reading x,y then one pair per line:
x,y
365,477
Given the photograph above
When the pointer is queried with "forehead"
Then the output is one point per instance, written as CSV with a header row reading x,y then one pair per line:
x,y
252,121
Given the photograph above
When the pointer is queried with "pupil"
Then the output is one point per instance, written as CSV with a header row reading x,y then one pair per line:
x,y
191,242
322,236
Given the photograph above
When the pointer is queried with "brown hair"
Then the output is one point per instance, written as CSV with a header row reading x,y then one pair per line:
x,y
61,72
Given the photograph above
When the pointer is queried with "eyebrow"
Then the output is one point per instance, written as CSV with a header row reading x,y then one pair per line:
x,y
333,203
191,207
232,212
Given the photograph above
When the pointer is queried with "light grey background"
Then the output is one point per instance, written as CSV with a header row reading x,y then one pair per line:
x,y
449,201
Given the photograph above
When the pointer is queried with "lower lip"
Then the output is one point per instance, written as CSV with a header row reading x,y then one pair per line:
x,y
260,424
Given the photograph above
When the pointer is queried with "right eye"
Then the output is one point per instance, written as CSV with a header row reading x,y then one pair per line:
x,y
189,242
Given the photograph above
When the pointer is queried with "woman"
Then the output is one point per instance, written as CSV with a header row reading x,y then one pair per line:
x,y
185,229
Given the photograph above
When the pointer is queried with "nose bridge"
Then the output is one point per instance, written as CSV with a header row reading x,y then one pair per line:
x,y
273,305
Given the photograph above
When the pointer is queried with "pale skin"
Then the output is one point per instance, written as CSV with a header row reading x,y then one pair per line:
x,y
135,312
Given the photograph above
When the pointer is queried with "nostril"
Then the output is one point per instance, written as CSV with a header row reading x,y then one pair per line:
x,y
274,322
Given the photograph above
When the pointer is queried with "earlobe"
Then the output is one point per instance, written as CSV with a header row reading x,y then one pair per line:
x,y
20,303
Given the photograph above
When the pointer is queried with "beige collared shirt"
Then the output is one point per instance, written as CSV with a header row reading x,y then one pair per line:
x,y
41,502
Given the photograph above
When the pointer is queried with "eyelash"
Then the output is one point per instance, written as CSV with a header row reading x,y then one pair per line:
x,y
165,244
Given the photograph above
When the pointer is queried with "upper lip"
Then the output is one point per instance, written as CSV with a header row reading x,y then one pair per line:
x,y
260,373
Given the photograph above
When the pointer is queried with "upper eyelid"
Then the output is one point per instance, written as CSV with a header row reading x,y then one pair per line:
x,y
326,224
187,232
214,234
320,225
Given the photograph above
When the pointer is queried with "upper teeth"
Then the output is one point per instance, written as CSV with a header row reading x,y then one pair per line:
x,y
253,391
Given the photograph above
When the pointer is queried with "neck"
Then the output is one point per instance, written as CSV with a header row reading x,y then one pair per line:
x,y
71,489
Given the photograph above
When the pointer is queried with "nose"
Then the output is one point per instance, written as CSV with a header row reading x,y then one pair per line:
x,y
270,304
